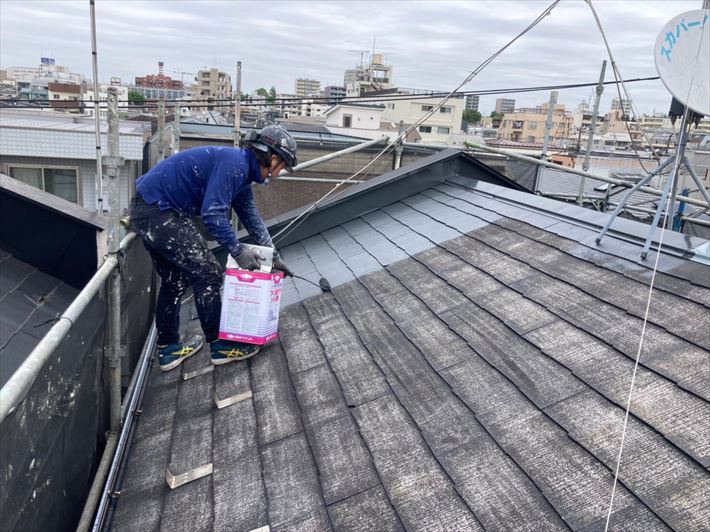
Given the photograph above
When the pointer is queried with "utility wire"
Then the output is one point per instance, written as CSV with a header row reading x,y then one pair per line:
x,y
619,86
400,138
226,102
672,177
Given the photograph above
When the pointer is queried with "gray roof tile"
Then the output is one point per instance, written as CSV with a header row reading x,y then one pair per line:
x,y
469,370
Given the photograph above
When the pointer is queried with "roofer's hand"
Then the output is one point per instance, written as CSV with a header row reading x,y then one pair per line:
x,y
280,265
248,258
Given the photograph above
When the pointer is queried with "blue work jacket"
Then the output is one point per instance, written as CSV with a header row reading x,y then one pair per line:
x,y
207,181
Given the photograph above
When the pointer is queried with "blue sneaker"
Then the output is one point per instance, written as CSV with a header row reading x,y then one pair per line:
x,y
172,355
224,351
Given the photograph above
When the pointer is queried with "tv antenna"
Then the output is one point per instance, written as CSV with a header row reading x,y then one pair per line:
x,y
682,61
362,53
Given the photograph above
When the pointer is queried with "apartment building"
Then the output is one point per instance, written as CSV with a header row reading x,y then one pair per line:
x,y
333,93
64,96
213,84
528,125
472,102
621,104
505,105
437,128
306,87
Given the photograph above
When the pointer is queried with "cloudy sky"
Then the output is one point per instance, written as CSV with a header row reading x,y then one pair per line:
x,y
432,44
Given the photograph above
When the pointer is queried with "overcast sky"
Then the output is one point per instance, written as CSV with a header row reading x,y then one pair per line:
x,y
431,44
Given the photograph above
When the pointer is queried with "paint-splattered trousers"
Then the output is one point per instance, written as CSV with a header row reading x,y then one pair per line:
x,y
181,258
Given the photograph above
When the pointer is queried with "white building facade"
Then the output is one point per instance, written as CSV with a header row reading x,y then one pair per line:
x,y
89,99
306,87
444,122
56,152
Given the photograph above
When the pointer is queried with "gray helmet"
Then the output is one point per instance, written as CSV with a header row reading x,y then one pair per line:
x,y
277,139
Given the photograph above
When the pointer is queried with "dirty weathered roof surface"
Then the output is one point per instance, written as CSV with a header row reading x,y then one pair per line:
x,y
470,370
30,302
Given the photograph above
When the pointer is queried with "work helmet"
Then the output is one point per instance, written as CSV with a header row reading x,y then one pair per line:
x,y
276,138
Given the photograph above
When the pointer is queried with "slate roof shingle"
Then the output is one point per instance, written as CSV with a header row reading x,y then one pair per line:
x,y
469,371
30,300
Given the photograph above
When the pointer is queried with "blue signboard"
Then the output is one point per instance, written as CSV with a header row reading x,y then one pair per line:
x,y
47,60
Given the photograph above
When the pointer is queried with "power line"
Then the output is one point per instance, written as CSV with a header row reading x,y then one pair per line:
x,y
293,224
618,80
226,102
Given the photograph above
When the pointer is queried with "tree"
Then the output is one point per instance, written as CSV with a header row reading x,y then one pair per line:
x,y
270,95
135,98
495,114
471,116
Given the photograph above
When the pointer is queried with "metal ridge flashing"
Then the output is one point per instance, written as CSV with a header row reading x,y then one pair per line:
x,y
388,187
630,230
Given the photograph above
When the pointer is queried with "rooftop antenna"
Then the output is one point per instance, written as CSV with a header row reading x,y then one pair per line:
x,y
682,60
362,54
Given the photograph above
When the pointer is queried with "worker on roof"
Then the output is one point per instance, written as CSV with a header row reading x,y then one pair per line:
x,y
205,181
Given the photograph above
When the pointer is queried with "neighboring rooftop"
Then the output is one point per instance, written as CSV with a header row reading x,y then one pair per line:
x,y
35,133
469,371
30,302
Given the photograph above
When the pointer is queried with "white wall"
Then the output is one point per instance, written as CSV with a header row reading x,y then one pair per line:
x,y
88,96
361,117
409,111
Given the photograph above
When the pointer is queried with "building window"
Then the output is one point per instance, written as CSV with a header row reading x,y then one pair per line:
x,y
443,130
532,125
61,182
347,120
424,129
55,96
446,110
427,107
531,139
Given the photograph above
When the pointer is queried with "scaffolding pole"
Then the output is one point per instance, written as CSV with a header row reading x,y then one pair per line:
x,y
475,146
176,128
237,107
99,185
592,127
15,389
114,162
549,123
336,154
161,128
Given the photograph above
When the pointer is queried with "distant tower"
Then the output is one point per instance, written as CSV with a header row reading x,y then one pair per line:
x,y
160,68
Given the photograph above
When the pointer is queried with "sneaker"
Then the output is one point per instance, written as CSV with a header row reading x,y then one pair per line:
x,y
172,355
224,351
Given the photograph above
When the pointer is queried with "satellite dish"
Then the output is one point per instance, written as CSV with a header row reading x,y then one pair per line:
x,y
682,56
